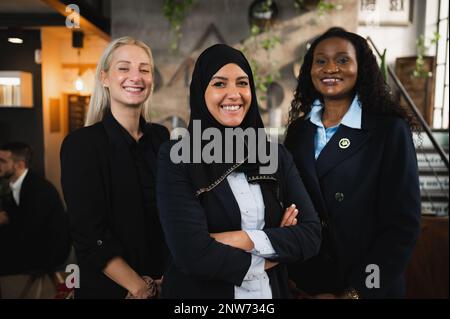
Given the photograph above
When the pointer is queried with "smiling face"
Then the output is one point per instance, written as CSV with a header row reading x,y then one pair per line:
x,y
228,95
334,70
129,78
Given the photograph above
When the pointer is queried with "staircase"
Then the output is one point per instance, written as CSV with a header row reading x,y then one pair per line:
x,y
433,174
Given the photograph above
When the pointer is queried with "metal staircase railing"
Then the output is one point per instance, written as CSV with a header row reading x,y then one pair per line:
x,y
426,193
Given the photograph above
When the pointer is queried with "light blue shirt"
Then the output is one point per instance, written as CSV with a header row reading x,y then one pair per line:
x,y
251,204
323,135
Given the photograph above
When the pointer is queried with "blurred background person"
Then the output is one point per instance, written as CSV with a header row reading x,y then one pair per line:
x,y
34,232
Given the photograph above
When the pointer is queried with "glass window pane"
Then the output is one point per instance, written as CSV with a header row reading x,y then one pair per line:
x,y
444,9
439,91
442,40
437,119
445,120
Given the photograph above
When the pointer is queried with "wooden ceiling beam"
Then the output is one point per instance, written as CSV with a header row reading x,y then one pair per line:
x,y
85,23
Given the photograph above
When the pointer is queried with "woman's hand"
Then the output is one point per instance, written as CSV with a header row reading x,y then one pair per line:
x,y
149,290
118,270
240,239
3,218
290,216
140,291
158,283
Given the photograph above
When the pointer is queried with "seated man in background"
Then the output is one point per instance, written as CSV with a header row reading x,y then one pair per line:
x,y
33,224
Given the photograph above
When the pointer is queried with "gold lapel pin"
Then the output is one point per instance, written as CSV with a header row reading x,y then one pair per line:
x,y
344,143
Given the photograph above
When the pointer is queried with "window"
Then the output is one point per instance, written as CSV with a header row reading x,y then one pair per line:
x,y
441,110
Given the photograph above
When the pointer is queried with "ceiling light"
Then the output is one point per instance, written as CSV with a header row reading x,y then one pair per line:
x,y
79,85
15,40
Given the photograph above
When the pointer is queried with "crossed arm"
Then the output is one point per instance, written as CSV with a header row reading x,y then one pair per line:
x,y
241,240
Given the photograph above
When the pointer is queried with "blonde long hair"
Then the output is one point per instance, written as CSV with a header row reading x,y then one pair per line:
x,y
100,99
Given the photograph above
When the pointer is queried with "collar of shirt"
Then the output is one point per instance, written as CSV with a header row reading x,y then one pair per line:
x,y
128,138
17,186
352,117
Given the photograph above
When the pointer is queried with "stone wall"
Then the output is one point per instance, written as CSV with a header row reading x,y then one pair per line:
x,y
145,20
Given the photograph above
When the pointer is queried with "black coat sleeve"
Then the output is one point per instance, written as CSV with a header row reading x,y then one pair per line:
x,y
85,191
289,139
161,131
302,241
398,220
185,227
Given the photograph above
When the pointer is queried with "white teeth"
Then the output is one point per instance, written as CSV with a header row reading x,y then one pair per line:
x,y
231,107
131,89
331,80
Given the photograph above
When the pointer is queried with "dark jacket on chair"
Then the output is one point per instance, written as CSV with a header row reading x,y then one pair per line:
x,y
204,268
368,198
105,200
37,236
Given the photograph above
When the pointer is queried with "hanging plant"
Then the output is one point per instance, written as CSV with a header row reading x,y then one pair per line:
x,y
176,11
263,74
322,8
263,13
305,4
420,69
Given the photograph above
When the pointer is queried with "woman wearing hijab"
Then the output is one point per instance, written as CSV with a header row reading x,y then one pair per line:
x,y
224,222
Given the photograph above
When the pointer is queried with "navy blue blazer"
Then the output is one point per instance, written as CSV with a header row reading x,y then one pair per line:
x,y
201,267
368,197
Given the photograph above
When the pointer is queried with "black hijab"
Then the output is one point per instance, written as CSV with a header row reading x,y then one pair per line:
x,y
208,63
203,175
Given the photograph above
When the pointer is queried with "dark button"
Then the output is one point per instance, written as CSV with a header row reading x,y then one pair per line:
x,y
99,242
339,196
324,224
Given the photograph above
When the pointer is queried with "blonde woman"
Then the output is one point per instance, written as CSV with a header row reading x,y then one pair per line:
x,y
108,171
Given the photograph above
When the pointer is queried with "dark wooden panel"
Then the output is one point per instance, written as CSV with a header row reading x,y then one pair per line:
x,y
78,105
427,273
421,90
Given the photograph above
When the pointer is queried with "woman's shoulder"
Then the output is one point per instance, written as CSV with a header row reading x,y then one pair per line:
x,y
388,123
165,151
85,137
297,123
282,156
160,130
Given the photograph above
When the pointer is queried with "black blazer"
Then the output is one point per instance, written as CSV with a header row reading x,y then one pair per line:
x,y
370,192
104,199
204,268
37,236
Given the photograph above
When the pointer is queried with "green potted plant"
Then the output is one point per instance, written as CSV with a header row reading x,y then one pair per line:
x,y
420,69
175,11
